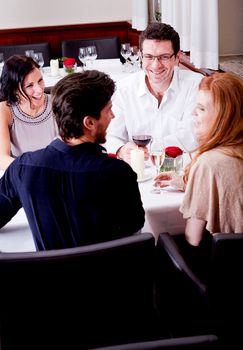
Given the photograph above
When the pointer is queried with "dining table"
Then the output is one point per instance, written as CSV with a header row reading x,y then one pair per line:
x,y
113,67
161,215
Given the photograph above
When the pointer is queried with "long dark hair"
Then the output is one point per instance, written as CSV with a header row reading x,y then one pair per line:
x,y
15,69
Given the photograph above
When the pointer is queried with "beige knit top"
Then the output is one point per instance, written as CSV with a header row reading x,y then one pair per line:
x,y
214,192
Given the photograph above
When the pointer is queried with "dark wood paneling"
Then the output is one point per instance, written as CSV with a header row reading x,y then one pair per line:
x,y
55,34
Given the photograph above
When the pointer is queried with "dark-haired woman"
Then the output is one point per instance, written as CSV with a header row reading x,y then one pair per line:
x,y
26,119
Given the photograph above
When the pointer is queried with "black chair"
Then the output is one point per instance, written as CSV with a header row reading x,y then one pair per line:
x,y
107,47
211,306
19,49
199,342
78,298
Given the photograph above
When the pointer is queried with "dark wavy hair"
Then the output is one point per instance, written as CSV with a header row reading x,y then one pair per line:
x,y
78,95
160,32
15,69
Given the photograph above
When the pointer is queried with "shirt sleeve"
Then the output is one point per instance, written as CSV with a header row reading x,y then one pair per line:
x,y
117,135
9,201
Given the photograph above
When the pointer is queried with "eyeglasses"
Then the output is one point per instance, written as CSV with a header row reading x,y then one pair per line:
x,y
163,58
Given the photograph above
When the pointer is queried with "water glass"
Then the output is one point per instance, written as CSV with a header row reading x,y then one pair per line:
x,y
1,62
29,53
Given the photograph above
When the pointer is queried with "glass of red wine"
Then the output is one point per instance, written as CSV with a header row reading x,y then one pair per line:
x,y
142,140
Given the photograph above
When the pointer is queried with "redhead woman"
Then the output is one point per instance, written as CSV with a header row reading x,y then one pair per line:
x,y
26,119
214,178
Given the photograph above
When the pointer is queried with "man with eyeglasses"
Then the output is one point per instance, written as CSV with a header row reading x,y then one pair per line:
x,y
157,100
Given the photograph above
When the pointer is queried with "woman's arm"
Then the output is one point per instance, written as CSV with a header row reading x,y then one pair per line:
x,y
5,145
194,231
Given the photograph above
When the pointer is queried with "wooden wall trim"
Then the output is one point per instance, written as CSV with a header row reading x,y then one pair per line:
x,y
55,34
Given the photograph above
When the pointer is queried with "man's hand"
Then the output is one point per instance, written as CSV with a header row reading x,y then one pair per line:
x,y
124,152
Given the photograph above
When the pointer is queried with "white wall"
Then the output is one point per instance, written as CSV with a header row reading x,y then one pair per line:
x,y
36,13
230,27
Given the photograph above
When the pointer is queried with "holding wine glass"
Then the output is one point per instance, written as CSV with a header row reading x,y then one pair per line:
x,y
157,155
143,140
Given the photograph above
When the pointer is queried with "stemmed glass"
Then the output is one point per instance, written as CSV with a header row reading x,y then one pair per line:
x,y
38,57
142,140
29,53
92,54
157,155
134,57
1,62
83,56
126,52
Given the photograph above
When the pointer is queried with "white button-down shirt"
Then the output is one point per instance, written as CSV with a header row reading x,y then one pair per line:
x,y
137,112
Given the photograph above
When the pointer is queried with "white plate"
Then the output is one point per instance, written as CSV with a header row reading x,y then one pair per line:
x,y
146,178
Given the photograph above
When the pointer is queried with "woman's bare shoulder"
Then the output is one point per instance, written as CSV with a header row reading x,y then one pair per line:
x,y
5,112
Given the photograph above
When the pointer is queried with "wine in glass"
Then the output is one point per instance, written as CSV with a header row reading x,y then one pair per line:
x,y
142,140
157,155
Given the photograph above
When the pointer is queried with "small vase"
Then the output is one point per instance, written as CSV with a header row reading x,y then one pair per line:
x,y
172,164
70,69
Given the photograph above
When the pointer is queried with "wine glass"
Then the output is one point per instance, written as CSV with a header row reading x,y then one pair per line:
x,y
141,140
1,62
92,54
134,57
29,53
83,56
38,57
125,52
157,155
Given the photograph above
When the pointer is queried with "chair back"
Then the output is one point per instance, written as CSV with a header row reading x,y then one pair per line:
x,y
213,305
197,342
81,297
107,47
19,49
225,287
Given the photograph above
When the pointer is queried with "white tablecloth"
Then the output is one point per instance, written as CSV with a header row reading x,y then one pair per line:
x,y
161,210
113,67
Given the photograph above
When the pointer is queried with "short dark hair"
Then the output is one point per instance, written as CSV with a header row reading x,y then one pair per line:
x,y
78,95
160,32
15,69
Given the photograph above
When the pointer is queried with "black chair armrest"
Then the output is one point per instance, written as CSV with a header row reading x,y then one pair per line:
x,y
166,241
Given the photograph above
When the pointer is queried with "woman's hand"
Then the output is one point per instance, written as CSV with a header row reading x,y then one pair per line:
x,y
170,178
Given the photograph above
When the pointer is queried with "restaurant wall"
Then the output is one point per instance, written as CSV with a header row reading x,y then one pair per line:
x,y
33,13
230,27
